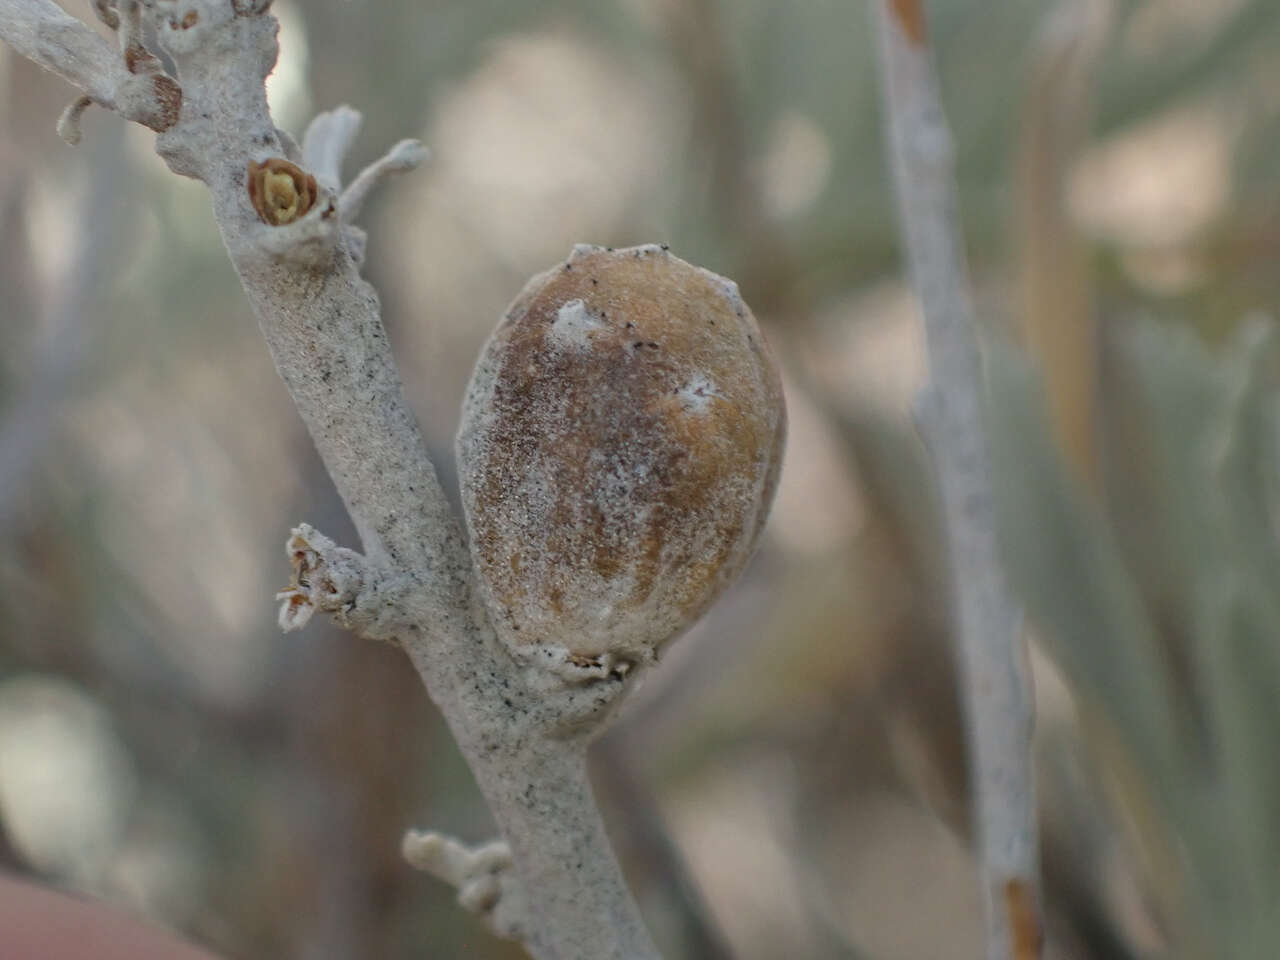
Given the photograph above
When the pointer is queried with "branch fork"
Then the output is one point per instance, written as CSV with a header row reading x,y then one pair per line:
x,y
306,206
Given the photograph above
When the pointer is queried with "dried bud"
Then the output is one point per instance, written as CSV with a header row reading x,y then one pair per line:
x,y
281,192
620,446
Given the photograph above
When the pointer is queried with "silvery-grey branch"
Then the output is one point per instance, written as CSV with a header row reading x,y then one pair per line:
x,y
601,531
132,85
523,729
992,662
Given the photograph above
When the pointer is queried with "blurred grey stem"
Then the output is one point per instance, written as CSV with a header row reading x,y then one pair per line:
x,y
68,335
642,838
992,664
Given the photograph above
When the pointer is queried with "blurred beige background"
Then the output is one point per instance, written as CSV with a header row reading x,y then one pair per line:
x,y
790,782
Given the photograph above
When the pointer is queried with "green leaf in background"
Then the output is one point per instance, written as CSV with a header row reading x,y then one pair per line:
x,y
1240,670
1243,456
1207,422
895,473
1063,563
1212,420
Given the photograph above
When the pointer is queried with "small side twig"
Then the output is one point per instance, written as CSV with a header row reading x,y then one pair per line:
x,y
405,155
327,142
369,600
69,121
43,32
484,877
992,664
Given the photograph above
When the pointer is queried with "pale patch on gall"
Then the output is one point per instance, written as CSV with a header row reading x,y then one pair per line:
x,y
573,325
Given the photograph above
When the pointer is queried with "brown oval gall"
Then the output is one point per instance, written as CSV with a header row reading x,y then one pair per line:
x,y
620,446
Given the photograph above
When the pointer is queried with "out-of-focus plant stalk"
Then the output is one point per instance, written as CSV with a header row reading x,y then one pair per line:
x,y
992,664
1057,309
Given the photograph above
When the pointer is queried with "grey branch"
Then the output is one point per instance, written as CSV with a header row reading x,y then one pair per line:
x,y
523,730
992,662
43,33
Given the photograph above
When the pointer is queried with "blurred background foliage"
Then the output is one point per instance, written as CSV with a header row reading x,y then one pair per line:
x,y
791,781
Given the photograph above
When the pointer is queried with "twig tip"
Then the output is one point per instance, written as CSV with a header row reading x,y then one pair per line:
x,y
909,15
69,121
